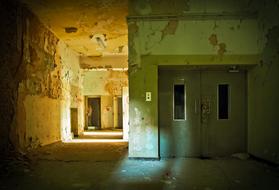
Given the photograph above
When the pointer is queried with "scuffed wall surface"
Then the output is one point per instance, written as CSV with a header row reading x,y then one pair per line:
x,y
263,82
197,39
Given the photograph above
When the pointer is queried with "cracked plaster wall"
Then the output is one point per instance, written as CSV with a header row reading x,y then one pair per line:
x,y
72,90
40,81
203,41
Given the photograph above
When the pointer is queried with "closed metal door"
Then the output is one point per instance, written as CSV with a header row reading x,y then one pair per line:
x,y
214,119
223,113
179,127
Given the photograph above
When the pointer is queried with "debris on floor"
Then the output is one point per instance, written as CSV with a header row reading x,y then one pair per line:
x,y
14,162
241,156
237,181
81,185
168,178
147,178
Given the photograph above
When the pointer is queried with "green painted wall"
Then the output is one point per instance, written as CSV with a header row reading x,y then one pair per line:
x,y
263,91
263,114
143,132
200,36
159,7
192,37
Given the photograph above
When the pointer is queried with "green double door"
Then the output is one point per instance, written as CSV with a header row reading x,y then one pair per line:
x,y
201,113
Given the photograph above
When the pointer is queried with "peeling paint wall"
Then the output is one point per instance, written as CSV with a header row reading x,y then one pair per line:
x,y
41,74
72,88
104,62
178,7
201,32
194,37
79,23
40,86
107,85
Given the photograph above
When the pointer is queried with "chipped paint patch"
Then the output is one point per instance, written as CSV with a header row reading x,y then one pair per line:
x,y
134,57
222,49
169,29
213,40
133,27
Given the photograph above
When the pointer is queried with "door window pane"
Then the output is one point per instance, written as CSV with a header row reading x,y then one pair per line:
x,y
223,101
179,101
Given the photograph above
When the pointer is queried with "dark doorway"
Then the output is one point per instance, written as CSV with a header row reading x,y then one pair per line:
x,y
74,121
120,113
93,113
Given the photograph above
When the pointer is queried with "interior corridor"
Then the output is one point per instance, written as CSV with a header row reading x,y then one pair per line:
x,y
139,94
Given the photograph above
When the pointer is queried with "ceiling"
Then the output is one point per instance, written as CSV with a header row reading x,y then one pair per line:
x,y
90,27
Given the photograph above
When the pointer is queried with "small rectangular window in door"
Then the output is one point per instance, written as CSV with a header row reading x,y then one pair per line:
x,y
179,102
223,101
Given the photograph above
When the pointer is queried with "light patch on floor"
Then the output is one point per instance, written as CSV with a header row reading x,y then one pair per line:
x,y
106,133
96,141
89,166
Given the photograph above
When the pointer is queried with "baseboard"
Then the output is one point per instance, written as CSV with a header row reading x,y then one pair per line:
x,y
262,160
144,158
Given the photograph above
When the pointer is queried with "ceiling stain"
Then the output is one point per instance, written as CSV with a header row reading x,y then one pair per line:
x,y
83,19
71,29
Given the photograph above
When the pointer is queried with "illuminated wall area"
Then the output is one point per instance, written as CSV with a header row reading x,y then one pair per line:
x,y
195,33
107,85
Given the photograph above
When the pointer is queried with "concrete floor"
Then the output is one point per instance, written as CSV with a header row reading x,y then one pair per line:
x,y
83,166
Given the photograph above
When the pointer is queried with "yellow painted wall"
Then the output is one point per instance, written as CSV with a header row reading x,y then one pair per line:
x,y
49,86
